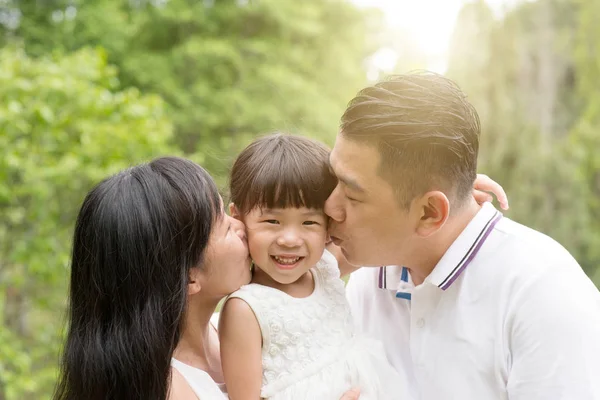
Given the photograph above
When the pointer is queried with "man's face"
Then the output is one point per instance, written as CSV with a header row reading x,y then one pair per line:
x,y
367,221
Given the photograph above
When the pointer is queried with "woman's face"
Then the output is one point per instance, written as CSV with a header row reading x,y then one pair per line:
x,y
227,262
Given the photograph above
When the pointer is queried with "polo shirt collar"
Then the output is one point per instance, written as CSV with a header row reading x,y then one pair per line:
x,y
458,256
396,278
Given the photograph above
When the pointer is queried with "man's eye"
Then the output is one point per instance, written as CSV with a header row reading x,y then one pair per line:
x,y
350,198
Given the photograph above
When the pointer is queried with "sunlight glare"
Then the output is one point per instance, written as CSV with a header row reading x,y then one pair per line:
x,y
429,22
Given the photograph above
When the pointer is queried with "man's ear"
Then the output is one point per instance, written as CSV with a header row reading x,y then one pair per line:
x,y
234,212
194,278
434,209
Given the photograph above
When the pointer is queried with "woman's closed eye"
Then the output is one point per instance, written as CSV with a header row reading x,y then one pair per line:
x,y
350,198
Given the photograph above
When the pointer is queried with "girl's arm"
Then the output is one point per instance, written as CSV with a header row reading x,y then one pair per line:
x,y
483,186
241,346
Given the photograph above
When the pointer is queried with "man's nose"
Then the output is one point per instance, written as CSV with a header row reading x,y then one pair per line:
x,y
333,206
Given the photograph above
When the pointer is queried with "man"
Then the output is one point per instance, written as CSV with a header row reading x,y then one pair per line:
x,y
471,304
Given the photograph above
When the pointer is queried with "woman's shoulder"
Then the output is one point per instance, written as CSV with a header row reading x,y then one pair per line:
x,y
180,389
190,383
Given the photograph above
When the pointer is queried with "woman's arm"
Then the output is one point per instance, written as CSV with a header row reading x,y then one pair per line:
x,y
241,346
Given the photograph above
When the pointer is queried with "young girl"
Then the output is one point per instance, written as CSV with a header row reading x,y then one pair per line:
x,y
289,333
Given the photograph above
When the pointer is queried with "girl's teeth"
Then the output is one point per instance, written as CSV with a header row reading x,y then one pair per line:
x,y
286,260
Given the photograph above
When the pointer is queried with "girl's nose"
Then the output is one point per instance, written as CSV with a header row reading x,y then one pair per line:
x,y
289,238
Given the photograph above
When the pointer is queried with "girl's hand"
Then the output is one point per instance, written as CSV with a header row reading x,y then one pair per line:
x,y
484,184
353,394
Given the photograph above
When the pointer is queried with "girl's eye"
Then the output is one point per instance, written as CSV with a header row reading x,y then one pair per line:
x,y
311,223
271,221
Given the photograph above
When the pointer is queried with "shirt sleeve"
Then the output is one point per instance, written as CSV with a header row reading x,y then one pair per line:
x,y
554,338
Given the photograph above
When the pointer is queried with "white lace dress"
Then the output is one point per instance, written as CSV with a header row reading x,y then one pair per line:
x,y
310,349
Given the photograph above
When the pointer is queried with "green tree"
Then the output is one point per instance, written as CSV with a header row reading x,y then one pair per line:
x,y
519,72
64,125
229,70
585,136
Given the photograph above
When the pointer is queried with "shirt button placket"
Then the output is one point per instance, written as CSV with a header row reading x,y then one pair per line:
x,y
419,311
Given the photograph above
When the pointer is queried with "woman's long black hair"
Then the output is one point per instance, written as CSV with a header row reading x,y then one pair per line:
x,y
137,235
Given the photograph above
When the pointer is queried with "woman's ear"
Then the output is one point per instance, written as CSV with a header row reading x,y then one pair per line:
x,y
234,212
194,285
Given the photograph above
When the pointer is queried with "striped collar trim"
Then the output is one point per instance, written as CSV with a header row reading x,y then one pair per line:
x,y
392,277
396,278
456,259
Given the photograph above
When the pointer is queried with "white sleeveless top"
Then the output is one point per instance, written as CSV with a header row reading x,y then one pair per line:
x,y
201,383
310,349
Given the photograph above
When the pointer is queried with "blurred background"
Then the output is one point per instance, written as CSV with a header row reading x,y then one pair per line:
x,y
90,87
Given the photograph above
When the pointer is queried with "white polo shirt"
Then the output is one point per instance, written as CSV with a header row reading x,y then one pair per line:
x,y
507,313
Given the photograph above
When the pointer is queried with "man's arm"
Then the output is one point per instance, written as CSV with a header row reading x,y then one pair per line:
x,y
241,346
554,339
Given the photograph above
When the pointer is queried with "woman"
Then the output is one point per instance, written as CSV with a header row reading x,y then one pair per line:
x,y
153,254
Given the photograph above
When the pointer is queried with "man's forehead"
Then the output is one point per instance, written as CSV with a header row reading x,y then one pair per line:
x,y
347,169
342,150
352,152
333,152
334,159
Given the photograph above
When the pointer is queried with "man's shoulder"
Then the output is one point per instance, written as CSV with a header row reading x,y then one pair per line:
x,y
521,245
524,234
530,262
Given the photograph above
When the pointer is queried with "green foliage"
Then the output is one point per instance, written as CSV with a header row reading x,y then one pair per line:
x,y
64,125
585,137
229,70
540,114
